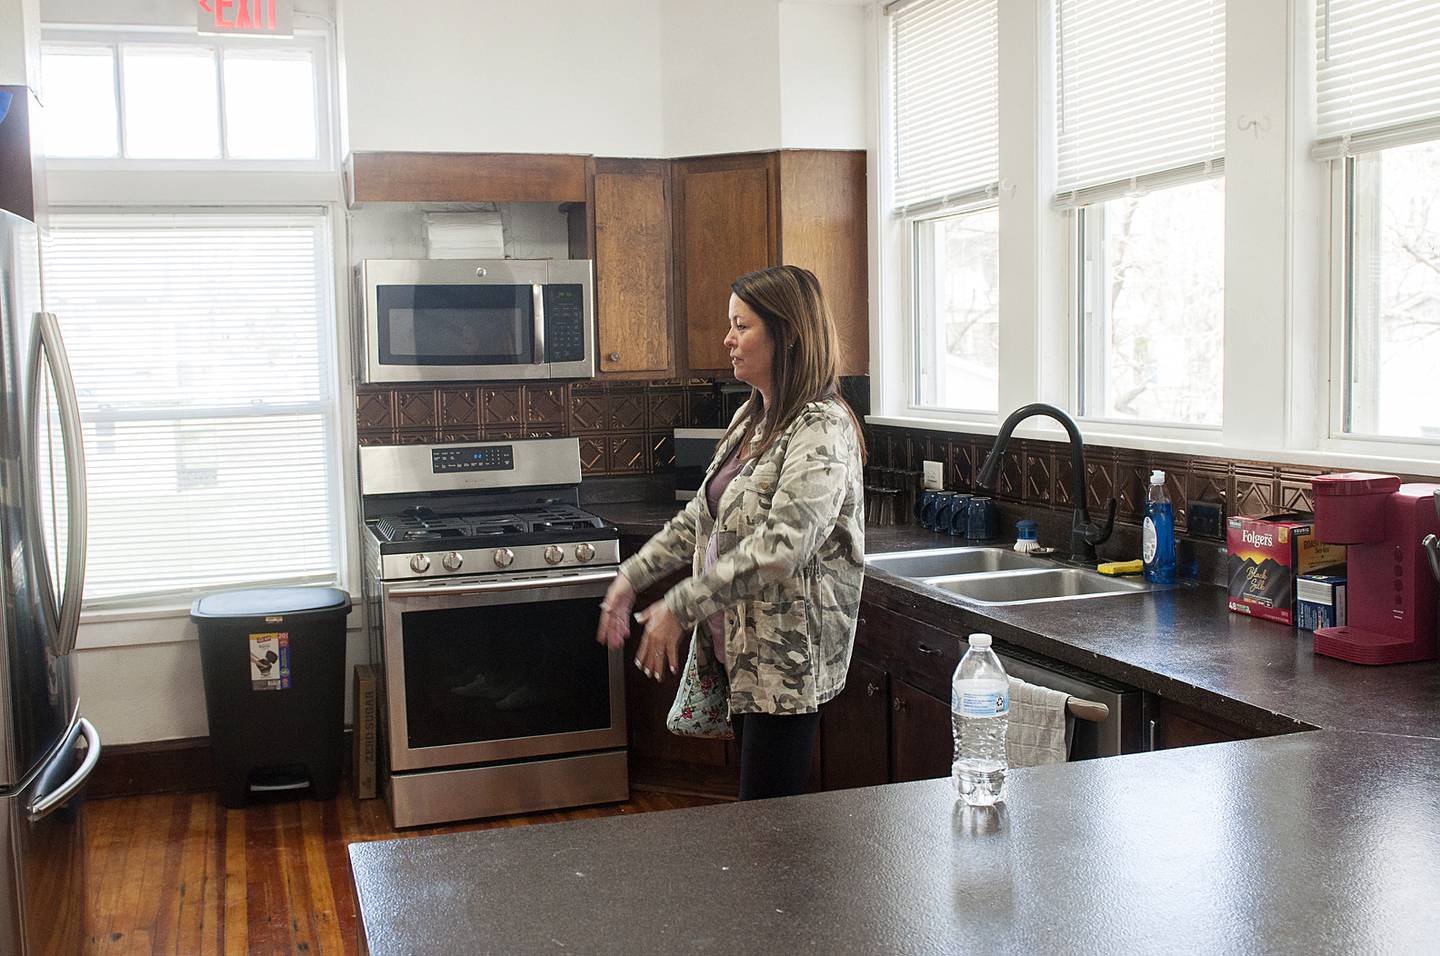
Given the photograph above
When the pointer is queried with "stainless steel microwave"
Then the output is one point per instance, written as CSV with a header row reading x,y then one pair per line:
x,y
449,320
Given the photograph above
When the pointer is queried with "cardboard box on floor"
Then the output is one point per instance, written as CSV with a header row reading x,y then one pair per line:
x,y
365,741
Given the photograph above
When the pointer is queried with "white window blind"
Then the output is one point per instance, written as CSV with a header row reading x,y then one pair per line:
x,y
945,102
1140,95
202,349
1377,74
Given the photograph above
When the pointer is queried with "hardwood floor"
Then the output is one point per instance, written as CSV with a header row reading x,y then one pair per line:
x,y
178,873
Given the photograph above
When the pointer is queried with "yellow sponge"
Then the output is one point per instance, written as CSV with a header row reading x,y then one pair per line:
x,y
1121,567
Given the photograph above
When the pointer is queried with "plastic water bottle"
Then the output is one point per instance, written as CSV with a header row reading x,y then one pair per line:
x,y
1157,547
980,715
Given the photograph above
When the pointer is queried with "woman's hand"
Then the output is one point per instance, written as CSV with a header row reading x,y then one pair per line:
x,y
660,644
615,613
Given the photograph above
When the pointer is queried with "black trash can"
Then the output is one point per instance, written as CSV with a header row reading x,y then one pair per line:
x,y
274,663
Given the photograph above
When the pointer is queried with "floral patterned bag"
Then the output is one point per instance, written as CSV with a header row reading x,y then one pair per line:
x,y
702,702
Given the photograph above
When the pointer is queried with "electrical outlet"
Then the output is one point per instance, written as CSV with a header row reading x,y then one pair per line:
x,y
934,474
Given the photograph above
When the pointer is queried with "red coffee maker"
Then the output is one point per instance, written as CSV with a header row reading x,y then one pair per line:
x,y
1392,593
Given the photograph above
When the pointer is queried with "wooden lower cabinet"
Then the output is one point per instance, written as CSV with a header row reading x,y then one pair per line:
x,y
921,746
1179,726
855,731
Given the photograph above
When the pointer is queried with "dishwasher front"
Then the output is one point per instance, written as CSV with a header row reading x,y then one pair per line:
x,y
1120,733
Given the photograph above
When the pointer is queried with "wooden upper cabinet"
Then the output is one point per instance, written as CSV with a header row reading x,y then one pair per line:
x,y
724,229
735,214
632,265
465,177
823,228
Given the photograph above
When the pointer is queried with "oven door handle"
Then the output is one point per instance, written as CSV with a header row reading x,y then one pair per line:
x,y
481,587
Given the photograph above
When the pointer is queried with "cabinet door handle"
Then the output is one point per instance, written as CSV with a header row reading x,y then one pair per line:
x,y
614,356
860,621
927,650
897,703
1153,728
871,689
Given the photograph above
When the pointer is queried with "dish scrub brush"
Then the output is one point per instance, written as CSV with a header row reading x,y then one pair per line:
x,y
1026,536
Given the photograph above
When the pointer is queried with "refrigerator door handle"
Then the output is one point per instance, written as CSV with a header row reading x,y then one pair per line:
x,y
48,345
46,803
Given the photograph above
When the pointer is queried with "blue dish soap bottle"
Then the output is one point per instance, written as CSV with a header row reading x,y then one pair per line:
x,y
1158,542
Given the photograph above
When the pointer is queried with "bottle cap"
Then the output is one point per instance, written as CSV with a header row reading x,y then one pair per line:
x,y
1157,477
979,640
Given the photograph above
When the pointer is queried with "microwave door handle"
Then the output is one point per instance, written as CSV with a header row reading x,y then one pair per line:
x,y
537,296
49,345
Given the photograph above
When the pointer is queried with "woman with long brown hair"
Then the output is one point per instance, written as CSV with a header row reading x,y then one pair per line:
x,y
775,542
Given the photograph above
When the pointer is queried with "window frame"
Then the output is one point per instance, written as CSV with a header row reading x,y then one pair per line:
x,y
1285,361
1340,320
911,222
335,406
1078,227
247,186
326,97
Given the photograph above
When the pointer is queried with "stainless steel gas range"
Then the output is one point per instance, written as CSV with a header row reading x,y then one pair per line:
x,y
483,587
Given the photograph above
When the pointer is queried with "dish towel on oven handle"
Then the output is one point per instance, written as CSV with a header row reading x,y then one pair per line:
x,y
702,702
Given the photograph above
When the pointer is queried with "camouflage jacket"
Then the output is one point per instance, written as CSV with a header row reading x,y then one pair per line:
x,y
791,565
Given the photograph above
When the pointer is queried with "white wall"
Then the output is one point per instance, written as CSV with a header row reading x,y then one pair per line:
x,y
721,76
823,79
620,78
561,76
19,42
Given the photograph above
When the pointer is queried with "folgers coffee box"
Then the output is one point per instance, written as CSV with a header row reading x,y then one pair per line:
x,y
1266,556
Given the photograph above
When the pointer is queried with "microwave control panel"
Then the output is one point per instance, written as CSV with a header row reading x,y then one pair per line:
x,y
473,458
564,322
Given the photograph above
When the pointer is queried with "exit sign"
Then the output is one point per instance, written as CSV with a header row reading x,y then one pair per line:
x,y
249,17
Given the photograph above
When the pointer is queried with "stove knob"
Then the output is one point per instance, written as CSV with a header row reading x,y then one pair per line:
x,y
420,563
453,560
504,557
553,555
584,552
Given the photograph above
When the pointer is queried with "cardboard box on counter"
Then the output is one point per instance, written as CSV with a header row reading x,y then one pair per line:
x,y
1320,600
1266,556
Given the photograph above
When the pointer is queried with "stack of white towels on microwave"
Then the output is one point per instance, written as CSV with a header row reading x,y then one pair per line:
x,y
464,235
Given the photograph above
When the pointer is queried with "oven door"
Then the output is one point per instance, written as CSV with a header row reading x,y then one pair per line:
x,y
454,320
480,669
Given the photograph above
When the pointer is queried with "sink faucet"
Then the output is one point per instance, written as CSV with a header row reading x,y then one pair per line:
x,y
1084,535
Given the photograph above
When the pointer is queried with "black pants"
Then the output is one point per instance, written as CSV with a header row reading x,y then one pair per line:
x,y
774,753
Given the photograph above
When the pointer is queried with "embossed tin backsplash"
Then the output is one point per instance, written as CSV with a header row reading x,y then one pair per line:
x,y
624,428
1037,472
627,428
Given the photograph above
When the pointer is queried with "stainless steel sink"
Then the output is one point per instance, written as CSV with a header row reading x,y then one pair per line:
x,y
1035,586
938,562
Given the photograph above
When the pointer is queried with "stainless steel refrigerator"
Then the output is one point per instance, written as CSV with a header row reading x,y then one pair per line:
x,y
46,748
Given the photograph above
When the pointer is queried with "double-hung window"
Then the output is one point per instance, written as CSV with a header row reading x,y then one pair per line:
x,y
202,333
944,108
1378,123
1140,142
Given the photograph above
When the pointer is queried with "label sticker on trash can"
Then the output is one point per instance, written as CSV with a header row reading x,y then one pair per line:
x,y
270,661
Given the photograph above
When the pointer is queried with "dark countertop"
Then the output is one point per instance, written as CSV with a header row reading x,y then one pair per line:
x,y
638,518
1318,842
1182,644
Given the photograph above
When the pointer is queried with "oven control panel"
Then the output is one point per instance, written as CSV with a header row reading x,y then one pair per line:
x,y
473,458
